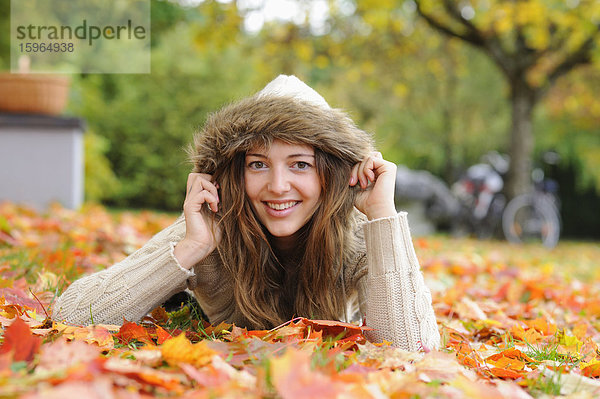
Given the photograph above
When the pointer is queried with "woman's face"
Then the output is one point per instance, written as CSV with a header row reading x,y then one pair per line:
x,y
283,186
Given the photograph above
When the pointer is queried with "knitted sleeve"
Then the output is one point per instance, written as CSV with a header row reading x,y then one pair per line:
x,y
128,289
394,297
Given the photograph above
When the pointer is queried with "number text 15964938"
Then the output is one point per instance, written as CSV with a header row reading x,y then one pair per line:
x,y
42,47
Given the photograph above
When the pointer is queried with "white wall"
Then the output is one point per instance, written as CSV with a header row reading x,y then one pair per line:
x,y
41,164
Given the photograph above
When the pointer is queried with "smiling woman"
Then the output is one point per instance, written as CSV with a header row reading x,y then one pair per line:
x,y
288,212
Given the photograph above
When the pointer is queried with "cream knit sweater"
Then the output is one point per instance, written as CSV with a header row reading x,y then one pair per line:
x,y
386,282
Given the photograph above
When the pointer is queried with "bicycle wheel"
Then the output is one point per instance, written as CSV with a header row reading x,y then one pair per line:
x,y
531,218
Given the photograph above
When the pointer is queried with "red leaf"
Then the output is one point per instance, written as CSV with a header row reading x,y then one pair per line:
x,y
334,328
130,331
355,338
18,297
19,339
333,323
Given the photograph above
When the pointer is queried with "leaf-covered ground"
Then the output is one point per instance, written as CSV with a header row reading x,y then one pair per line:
x,y
516,322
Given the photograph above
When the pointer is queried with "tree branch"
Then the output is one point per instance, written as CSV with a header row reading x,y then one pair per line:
x,y
475,37
582,55
469,38
455,13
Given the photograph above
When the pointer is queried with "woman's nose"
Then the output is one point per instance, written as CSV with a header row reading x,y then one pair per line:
x,y
279,181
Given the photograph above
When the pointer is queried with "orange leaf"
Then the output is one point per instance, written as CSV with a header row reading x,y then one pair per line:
x,y
19,339
218,328
508,363
256,333
542,325
98,334
530,335
592,370
144,374
511,353
503,373
162,335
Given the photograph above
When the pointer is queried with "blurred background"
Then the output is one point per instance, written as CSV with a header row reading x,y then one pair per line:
x,y
439,83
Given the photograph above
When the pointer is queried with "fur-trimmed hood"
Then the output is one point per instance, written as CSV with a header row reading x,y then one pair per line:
x,y
277,114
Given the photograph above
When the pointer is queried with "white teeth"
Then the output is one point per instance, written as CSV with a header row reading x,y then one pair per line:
x,y
283,206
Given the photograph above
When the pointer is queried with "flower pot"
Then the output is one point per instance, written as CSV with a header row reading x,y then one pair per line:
x,y
33,93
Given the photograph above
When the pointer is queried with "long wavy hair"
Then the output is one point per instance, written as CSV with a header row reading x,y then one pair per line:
x,y
262,291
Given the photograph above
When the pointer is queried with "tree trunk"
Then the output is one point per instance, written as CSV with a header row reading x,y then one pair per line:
x,y
448,91
523,101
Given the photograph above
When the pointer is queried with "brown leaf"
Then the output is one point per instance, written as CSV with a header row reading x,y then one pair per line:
x,y
160,315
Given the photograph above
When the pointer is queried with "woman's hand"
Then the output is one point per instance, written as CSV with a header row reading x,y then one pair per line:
x,y
377,179
199,240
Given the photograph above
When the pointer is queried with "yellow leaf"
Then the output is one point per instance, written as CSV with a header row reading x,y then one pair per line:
x,y
180,350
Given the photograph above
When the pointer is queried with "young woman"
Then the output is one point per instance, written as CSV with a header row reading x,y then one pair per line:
x,y
288,212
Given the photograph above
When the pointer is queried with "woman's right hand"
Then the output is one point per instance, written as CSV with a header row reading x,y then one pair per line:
x,y
199,240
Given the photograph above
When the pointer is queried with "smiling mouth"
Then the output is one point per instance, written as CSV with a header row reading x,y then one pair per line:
x,y
282,206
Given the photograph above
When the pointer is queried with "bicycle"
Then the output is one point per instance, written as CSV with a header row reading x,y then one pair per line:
x,y
534,216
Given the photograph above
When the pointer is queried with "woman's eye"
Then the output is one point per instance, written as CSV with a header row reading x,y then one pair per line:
x,y
302,165
256,165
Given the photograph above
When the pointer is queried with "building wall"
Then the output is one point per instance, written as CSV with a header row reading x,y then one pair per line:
x,y
41,161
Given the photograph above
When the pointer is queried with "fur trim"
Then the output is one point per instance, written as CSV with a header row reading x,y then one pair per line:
x,y
262,118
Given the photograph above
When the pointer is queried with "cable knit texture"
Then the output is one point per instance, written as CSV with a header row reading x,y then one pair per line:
x,y
387,283
398,301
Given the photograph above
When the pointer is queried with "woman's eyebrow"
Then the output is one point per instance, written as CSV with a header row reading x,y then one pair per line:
x,y
289,156
256,155
300,155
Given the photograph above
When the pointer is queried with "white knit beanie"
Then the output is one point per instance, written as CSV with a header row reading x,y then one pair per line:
x,y
291,86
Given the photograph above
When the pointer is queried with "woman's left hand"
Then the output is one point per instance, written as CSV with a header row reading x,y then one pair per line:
x,y
377,180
